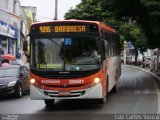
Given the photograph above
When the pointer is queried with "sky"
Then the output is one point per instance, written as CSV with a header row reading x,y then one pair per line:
x,y
46,8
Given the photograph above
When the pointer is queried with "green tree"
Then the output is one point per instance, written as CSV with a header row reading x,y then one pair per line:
x,y
134,33
93,10
147,15
145,12
86,10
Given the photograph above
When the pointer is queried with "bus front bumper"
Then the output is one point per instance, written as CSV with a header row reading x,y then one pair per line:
x,y
94,92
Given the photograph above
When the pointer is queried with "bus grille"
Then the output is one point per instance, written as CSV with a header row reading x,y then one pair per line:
x,y
76,93
62,86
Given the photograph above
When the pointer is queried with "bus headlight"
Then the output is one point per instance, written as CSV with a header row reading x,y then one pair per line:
x,y
32,80
96,80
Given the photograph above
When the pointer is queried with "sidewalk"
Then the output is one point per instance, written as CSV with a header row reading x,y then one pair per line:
x,y
155,74
148,69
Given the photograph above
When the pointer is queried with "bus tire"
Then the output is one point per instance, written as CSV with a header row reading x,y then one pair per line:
x,y
107,85
49,103
114,89
102,101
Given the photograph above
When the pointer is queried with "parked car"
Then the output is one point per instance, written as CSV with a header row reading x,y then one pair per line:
x,y
14,79
147,61
122,58
129,60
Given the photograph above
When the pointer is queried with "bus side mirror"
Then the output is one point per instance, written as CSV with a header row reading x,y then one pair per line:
x,y
25,45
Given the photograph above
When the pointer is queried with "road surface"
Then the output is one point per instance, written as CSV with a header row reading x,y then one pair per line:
x,y
137,94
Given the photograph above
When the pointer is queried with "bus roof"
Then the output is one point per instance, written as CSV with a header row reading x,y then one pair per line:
x,y
84,21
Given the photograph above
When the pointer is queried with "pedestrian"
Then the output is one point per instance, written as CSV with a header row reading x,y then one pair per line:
x,y
5,63
152,63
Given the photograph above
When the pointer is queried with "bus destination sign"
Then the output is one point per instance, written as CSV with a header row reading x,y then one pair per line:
x,y
72,28
66,29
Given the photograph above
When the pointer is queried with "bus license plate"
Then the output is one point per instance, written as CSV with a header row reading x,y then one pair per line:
x,y
64,93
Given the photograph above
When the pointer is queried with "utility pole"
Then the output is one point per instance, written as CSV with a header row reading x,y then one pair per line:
x,y
125,52
56,9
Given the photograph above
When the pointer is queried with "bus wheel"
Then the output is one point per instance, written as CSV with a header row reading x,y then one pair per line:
x,y
114,89
102,101
107,86
49,103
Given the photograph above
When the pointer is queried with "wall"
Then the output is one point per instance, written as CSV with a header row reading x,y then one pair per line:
x,y
9,17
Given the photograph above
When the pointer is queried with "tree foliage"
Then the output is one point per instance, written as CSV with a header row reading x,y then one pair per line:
x,y
92,10
134,33
86,10
145,12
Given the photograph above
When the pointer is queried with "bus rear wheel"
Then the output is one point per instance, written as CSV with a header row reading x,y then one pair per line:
x,y
49,103
114,89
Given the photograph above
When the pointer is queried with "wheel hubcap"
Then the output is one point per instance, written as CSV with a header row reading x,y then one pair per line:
x,y
20,91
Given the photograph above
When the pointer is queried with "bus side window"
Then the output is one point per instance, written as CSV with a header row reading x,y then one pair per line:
x,y
114,44
119,45
109,44
103,50
106,44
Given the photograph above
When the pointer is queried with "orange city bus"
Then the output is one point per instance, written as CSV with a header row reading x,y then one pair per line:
x,y
73,59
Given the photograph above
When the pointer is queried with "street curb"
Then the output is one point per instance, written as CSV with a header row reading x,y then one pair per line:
x,y
152,74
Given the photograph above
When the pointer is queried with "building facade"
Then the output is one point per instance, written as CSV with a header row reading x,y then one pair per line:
x,y
9,26
28,14
15,21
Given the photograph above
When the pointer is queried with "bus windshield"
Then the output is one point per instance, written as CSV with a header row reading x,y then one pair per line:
x,y
65,53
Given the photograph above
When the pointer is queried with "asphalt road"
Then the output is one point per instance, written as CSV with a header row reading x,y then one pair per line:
x,y
137,94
